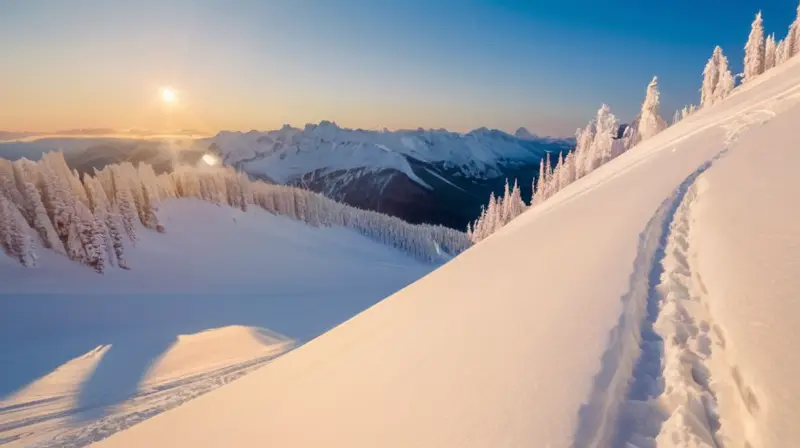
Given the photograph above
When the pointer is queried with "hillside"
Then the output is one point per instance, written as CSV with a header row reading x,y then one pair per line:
x,y
219,294
650,303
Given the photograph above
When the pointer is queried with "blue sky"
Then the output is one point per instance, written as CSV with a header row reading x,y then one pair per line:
x,y
372,64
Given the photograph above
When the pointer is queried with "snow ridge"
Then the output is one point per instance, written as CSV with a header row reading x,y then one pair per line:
x,y
599,420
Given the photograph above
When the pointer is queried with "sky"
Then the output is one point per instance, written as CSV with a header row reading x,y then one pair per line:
x,y
455,64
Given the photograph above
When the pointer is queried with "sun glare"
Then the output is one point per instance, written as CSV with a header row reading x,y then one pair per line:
x,y
210,159
168,95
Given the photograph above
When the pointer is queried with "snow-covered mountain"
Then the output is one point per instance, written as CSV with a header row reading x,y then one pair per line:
x,y
652,303
431,176
419,175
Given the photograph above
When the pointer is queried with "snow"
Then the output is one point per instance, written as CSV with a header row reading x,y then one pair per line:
x,y
547,333
218,295
287,154
750,274
435,174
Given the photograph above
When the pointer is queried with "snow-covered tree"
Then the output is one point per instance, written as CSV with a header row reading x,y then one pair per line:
x,y
14,235
517,204
148,211
89,246
650,121
781,54
41,222
754,50
538,185
769,52
125,203
584,140
791,43
710,78
607,127
726,80
115,232
88,223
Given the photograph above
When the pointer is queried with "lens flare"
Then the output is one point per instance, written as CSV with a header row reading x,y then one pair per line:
x,y
210,159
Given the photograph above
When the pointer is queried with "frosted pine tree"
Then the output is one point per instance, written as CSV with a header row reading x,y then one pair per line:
x,y
558,174
148,211
791,43
676,117
86,244
630,137
754,50
607,128
517,206
14,235
115,232
780,53
726,81
100,209
650,121
769,52
127,207
710,78
566,175
41,222
492,216
536,195
505,209
584,140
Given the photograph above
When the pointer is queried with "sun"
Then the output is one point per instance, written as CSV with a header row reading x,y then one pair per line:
x,y
168,95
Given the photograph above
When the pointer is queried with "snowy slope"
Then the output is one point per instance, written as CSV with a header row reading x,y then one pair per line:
x,y
532,338
750,273
221,293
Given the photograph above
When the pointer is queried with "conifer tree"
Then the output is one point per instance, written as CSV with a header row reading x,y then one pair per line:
x,y
41,222
125,203
650,121
539,187
769,52
115,232
607,128
14,235
791,43
726,80
754,50
711,75
780,53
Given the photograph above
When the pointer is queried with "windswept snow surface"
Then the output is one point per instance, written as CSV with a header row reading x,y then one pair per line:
x,y
547,333
218,295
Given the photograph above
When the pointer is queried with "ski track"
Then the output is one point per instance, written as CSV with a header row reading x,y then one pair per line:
x,y
146,403
666,356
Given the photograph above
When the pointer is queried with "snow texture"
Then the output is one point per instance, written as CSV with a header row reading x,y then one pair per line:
x,y
658,309
218,295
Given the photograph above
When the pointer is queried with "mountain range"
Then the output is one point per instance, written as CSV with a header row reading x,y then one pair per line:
x,y
424,175
433,176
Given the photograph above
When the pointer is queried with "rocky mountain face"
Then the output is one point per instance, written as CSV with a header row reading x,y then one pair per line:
x,y
433,176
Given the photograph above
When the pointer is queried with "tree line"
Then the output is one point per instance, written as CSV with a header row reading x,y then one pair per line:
x,y
95,219
599,142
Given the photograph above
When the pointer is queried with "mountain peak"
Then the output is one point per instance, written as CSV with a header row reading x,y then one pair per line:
x,y
524,134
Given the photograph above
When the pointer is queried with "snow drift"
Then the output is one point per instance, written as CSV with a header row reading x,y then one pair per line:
x,y
607,316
